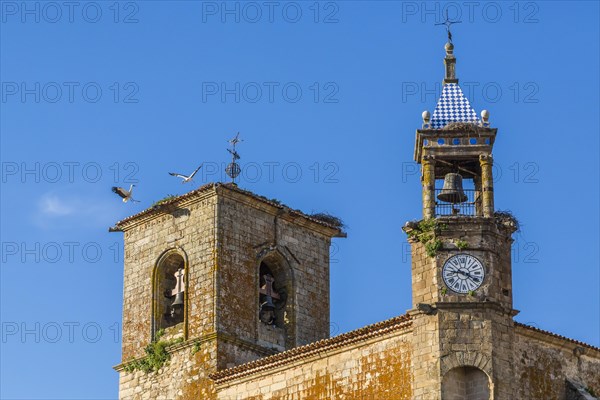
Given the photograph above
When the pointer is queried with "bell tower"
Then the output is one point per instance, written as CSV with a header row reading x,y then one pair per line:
x,y
461,257
215,278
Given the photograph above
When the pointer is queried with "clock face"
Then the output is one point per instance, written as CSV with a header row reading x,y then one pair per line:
x,y
463,273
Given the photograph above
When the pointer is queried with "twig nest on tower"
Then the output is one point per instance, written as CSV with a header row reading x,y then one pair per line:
x,y
461,126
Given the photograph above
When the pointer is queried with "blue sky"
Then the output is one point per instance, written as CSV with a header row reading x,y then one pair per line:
x,y
327,97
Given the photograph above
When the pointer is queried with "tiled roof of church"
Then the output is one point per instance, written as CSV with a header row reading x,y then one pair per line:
x,y
156,209
364,333
557,336
452,106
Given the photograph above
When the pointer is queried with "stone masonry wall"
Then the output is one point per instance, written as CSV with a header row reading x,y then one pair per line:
x,y
184,377
375,370
465,329
248,231
221,234
190,228
543,363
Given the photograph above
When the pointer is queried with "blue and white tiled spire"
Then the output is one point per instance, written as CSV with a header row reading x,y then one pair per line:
x,y
452,105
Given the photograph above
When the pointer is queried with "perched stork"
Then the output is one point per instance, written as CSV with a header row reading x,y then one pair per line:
x,y
235,140
186,178
125,194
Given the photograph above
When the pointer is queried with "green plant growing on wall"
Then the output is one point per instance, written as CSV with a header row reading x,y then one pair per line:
x,y
156,355
432,247
163,200
461,244
444,291
425,231
196,348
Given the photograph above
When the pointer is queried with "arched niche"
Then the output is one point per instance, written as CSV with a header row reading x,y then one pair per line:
x,y
169,283
466,383
277,330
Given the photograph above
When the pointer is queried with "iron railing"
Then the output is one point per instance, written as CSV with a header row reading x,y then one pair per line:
x,y
470,207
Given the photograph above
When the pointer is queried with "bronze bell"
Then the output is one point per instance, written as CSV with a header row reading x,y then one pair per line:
x,y
452,192
177,305
267,311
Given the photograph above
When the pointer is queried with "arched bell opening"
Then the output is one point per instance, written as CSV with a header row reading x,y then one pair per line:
x,y
455,186
466,383
169,294
458,189
275,305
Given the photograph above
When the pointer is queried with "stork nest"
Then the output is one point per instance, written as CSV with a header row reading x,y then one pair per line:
x,y
507,219
462,126
328,219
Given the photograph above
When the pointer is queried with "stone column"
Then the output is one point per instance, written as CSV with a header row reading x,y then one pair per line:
x,y
487,185
428,181
478,207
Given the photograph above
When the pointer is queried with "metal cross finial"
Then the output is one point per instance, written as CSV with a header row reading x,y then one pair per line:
x,y
233,168
448,24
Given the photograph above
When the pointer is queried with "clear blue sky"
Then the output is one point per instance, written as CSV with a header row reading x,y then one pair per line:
x,y
98,95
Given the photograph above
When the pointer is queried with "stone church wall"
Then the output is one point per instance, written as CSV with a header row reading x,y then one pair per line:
x,y
543,363
184,377
375,369
191,228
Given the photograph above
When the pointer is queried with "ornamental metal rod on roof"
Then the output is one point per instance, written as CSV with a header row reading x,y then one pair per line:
x,y
448,24
233,168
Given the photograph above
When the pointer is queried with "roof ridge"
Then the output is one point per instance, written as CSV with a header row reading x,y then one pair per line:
x,y
556,335
157,207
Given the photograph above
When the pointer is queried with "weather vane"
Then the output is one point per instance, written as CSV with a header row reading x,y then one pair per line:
x,y
233,168
448,24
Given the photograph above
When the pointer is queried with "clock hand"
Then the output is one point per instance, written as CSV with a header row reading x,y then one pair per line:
x,y
467,274
475,278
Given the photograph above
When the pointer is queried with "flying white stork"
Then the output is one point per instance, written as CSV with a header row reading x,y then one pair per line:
x,y
125,194
186,178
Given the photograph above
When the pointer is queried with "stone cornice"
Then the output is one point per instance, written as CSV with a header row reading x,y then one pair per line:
x,y
294,216
207,338
171,349
431,134
470,305
166,208
231,191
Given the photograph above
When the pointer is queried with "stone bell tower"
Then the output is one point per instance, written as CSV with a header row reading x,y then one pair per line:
x,y
215,278
461,257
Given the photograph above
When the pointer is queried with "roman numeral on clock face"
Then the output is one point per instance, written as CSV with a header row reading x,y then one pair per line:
x,y
463,273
